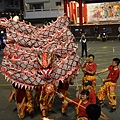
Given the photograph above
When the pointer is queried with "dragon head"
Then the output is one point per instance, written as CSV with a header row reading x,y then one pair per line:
x,y
45,59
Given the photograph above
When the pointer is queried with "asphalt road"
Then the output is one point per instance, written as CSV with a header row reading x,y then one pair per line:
x,y
104,53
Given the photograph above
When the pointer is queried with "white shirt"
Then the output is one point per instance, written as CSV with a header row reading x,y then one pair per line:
x,y
84,41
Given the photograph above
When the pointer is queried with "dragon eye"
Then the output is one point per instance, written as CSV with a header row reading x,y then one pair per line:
x,y
39,73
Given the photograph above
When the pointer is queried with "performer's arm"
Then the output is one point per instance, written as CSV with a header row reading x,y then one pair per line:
x,y
92,68
66,98
106,80
11,96
23,101
102,71
85,62
104,116
90,72
114,77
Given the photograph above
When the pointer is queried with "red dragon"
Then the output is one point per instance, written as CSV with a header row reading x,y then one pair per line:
x,y
36,56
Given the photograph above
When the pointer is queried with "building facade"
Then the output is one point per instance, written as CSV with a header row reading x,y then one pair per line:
x,y
42,10
10,8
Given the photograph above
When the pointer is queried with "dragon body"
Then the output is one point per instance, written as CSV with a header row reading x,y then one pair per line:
x,y
39,57
34,56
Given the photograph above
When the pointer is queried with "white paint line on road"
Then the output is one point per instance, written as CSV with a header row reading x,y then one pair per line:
x,y
96,85
88,49
70,85
5,84
113,49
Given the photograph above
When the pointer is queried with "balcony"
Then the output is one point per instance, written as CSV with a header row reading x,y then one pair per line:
x,y
36,1
43,13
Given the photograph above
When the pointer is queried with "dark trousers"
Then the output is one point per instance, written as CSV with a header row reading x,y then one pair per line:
x,y
84,48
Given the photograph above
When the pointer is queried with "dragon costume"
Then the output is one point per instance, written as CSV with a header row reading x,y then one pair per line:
x,y
39,57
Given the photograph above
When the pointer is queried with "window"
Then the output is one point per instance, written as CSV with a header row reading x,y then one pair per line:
x,y
16,3
11,2
58,3
37,6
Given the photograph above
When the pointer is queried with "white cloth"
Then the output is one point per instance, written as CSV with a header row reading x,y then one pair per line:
x,y
119,29
84,41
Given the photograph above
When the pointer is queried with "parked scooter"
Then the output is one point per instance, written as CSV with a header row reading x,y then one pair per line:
x,y
103,37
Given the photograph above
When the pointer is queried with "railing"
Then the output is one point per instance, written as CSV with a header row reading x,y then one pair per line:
x,y
48,9
43,13
34,1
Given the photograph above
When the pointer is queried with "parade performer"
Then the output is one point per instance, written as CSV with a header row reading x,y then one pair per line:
x,y
80,104
93,111
36,56
47,98
23,100
92,94
93,97
63,88
89,68
109,84
37,96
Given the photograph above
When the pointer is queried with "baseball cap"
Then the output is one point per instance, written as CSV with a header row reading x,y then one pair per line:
x,y
87,82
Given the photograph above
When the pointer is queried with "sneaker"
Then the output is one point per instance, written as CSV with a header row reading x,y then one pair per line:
x,y
64,114
112,110
104,105
32,116
101,103
15,109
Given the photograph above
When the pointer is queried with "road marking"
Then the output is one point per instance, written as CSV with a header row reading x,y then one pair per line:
x,y
70,85
96,85
88,49
5,84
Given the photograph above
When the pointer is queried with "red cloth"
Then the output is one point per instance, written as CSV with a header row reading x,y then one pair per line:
x,y
63,85
113,74
82,111
21,93
90,67
92,97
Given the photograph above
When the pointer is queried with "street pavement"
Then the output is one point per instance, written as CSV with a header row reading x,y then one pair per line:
x,y
104,53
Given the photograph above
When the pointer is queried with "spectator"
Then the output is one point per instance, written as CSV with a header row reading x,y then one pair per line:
x,y
96,31
84,45
82,32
